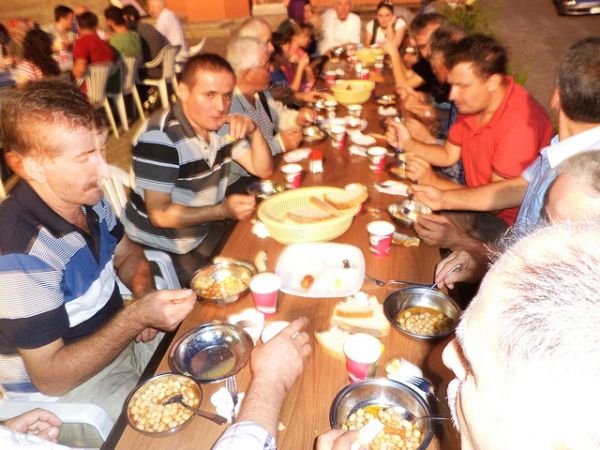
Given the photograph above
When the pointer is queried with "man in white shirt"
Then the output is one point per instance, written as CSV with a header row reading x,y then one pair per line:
x,y
168,23
339,26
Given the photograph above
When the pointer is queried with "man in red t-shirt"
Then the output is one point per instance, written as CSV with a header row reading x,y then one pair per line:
x,y
498,133
89,48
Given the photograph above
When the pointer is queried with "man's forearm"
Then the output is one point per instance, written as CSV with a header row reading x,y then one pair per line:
x,y
173,215
262,160
436,155
490,197
136,273
262,405
75,363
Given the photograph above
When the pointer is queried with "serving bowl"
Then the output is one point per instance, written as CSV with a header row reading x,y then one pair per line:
x,y
406,211
264,189
368,56
211,352
384,393
348,92
313,134
222,282
144,407
421,299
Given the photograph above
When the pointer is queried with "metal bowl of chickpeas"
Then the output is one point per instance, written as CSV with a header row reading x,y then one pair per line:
x,y
422,313
380,398
223,282
147,410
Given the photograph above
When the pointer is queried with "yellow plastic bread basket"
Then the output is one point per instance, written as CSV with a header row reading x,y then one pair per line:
x,y
272,213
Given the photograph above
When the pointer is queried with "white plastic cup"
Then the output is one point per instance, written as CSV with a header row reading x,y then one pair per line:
x,y
377,157
380,237
355,110
293,175
362,353
338,136
265,290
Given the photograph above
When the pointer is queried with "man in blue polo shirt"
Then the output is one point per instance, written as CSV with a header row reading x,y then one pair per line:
x,y
63,330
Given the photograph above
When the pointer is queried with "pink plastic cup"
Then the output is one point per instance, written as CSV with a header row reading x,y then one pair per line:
x,y
377,157
293,175
362,354
380,237
265,290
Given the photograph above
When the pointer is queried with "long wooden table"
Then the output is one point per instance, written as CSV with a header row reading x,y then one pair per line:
x,y
306,410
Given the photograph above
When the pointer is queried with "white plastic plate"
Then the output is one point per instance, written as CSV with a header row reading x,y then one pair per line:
x,y
324,262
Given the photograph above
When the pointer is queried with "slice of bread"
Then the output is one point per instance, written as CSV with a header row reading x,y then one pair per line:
x,y
352,195
332,341
406,240
326,207
308,214
352,315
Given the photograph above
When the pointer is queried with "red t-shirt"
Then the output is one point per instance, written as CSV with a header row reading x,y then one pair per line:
x,y
93,49
506,145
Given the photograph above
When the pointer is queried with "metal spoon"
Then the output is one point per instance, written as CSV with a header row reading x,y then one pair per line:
x,y
434,285
207,415
407,415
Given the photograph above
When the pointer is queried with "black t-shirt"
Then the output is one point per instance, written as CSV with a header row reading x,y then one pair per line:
x,y
439,91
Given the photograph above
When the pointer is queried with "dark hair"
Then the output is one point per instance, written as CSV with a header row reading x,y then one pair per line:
x,y
385,4
579,81
61,11
39,106
87,20
115,15
131,12
207,61
284,33
444,38
37,48
422,21
486,54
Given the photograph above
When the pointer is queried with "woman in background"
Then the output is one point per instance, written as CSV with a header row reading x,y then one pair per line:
x,y
385,27
37,62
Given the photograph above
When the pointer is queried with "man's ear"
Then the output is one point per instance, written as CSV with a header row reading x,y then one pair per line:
x,y
555,100
32,169
494,82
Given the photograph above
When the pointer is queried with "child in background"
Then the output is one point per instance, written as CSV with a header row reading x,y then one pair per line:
x,y
290,58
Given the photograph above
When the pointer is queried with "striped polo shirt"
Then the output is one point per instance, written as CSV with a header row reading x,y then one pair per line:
x,y
56,280
169,157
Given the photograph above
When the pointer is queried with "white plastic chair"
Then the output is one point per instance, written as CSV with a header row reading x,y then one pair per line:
x,y
114,188
165,58
96,79
84,413
128,67
192,51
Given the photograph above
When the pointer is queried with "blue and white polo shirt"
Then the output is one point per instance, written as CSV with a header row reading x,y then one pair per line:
x,y
56,280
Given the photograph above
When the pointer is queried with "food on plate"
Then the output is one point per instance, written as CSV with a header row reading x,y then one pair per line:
x,y
332,341
209,287
399,170
260,261
424,321
146,409
352,195
308,214
398,433
307,282
361,313
405,240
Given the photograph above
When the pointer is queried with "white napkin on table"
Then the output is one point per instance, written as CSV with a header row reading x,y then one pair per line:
x,y
392,187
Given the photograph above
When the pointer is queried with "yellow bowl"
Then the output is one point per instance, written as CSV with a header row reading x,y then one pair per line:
x,y
348,92
368,56
272,212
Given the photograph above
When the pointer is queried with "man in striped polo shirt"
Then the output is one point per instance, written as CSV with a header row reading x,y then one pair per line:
x,y
63,329
181,162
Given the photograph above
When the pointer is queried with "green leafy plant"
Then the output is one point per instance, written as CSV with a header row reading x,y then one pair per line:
x,y
476,18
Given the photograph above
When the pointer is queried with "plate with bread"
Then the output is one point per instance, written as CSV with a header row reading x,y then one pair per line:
x,y
312,214
321,270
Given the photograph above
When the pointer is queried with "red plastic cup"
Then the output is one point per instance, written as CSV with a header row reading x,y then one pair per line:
x,y
293,175
265,290
362,353
380,237
338,136
377,157
330,78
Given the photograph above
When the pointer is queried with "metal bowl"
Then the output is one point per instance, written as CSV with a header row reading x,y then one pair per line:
x,y
313,134
264,189
211,352
410,297
406,212
223,282
381,392
135,395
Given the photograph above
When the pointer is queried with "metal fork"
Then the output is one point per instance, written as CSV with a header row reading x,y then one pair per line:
x,y
231,386
380,283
